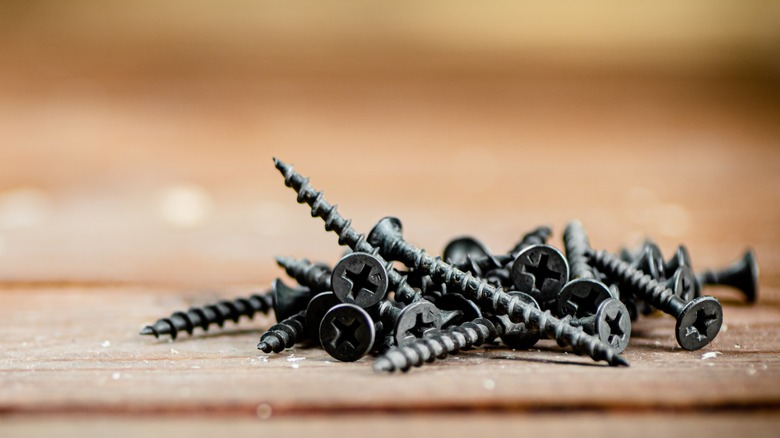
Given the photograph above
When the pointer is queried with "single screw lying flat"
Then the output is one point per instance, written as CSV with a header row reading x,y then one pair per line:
x,y
742,275
283,299
698,321
315,276
342,227
284,334
387,236
582,295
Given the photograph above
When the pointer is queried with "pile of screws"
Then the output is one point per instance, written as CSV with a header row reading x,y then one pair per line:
x,y
585,299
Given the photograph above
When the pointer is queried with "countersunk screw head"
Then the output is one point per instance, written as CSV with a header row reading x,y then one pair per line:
x,y
699,323
541,271
415,320
460,249
347,332
384,233
683,283
361,279
455,302
318,307
581,298
613,324
287,300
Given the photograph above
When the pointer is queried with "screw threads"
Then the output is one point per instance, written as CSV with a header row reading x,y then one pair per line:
x,y
208,315
284,334
639,283
342,227
314,276
502,303
537,236
575,241
438,346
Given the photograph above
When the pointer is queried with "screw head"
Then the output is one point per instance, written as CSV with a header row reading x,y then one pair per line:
x,y
287,300
613,324
458,250
318,307
541,271
581,298
517,335
456,302
699,323
683,283
347,332
359,278
385,232
415,320
651,261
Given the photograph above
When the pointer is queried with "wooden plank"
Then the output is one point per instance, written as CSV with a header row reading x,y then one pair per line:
x,y
77,351
540,424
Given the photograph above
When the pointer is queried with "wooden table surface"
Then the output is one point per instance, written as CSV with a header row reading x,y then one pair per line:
x,y
129,190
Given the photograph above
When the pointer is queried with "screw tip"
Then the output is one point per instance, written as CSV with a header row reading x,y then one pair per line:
x,y
382,365
149,330
620,361
264,347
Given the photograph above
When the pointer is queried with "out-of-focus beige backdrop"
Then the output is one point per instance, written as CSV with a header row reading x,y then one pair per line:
x,y
136,137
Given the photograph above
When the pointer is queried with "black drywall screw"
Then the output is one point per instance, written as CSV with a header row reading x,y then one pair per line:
x,y
315,276
284,334
360,278
541,271
742,275
347,332
387,236
283,299
469,254
582,295
611,323
698,320
342,227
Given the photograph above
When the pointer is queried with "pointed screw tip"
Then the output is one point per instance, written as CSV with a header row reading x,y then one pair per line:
x,y
149,330
264,347
621,361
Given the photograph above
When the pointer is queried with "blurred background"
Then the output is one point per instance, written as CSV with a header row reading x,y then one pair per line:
x,y
136,137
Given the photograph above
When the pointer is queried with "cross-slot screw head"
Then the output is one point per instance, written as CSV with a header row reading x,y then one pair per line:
x,y
699,323
582,297
540,271
613,324
347,332
415,320
361,279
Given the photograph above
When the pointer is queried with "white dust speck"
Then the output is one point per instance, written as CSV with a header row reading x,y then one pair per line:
x,y
174,351
264,411
105,344
751,371
116,376
723,328
295,366
710,355
489,384
737,346
184,205
195,367
295,359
